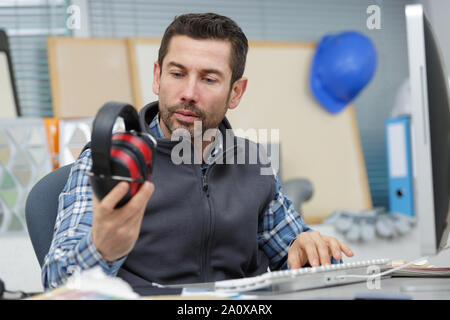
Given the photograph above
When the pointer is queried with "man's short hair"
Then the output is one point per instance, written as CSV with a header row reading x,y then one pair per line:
x,y
209,26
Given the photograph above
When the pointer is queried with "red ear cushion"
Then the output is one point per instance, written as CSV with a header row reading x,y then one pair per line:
x,y
131,165
138,143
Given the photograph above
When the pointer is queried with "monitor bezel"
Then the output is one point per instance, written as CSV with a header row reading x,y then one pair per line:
x,y
424,196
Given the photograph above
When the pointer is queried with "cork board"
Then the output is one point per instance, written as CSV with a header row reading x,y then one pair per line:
x,y
86,73
143,53
314,144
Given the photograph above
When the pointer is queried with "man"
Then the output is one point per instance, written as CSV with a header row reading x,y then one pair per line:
x,y
193,222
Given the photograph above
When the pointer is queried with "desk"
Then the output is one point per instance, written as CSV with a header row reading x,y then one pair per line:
x,y
404,247
415,288
25,276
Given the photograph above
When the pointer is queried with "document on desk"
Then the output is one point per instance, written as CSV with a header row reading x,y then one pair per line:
x,y
432,272
421,268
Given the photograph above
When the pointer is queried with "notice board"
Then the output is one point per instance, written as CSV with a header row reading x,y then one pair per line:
x,y
87,72
315,144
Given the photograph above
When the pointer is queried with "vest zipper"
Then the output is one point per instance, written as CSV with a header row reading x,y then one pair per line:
x,y
208,226
205,183
209,218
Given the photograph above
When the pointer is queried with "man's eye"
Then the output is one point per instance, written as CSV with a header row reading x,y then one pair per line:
x,y
209,80
176,74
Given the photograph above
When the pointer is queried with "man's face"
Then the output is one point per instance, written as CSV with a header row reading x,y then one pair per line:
x,y
194,84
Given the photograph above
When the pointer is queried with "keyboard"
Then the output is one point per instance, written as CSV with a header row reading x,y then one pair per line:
x,y
306,278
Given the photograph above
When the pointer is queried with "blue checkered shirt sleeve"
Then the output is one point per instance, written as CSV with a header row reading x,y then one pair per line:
x,y
280,225
72,249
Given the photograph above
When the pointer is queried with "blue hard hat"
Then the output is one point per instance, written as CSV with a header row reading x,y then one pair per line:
x,y
342,66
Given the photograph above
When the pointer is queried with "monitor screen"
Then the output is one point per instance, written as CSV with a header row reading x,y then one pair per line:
x,y
430,129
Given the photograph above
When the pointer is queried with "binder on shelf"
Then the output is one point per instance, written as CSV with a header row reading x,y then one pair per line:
x,y
400,175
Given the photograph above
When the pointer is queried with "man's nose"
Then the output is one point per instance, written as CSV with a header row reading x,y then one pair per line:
x,y
190,90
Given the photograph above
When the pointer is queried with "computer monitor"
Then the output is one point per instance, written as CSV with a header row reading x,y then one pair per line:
x,y
430,132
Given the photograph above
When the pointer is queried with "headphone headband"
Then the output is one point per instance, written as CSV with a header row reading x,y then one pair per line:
x,y
102,132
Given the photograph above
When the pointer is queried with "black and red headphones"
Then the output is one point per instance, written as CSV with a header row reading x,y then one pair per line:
x,y
124,156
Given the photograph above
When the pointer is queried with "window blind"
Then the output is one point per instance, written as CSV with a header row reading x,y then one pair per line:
x,y
28,23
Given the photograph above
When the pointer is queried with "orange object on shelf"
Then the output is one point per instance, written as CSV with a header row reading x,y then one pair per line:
x,y
51,128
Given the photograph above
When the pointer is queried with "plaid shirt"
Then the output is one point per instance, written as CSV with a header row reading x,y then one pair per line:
x,y
72,249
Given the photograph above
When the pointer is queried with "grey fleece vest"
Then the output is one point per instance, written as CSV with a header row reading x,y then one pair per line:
x,y
200,227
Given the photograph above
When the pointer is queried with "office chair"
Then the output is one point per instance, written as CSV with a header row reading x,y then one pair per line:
x,y
41,210
299,191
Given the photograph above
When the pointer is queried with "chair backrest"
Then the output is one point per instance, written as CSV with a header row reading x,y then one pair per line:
x,y
42,208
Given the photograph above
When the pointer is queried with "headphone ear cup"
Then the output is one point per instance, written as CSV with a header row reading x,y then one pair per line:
x,y
149,159
140,148
134,153
102,186
124,163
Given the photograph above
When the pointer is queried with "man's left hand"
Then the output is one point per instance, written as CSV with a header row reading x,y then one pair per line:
x,y
316,249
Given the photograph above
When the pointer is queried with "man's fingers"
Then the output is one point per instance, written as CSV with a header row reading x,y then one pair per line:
x,y
322,248
296,256
316,249
294,261
143,195
115,195
137,204
348,252
335,248
312,254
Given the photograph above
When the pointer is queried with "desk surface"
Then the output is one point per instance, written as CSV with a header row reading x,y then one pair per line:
x,y
390,288
25,276
405,247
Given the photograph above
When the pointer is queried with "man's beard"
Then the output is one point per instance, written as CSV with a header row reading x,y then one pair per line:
x,y
172,124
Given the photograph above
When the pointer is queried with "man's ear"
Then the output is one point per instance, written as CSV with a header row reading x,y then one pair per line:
x,y
237,91
156,75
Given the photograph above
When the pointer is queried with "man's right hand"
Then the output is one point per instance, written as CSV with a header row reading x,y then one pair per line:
x,y
115,231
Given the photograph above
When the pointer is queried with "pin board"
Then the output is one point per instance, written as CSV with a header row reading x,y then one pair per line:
x,y
315,144
143,53
87,72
